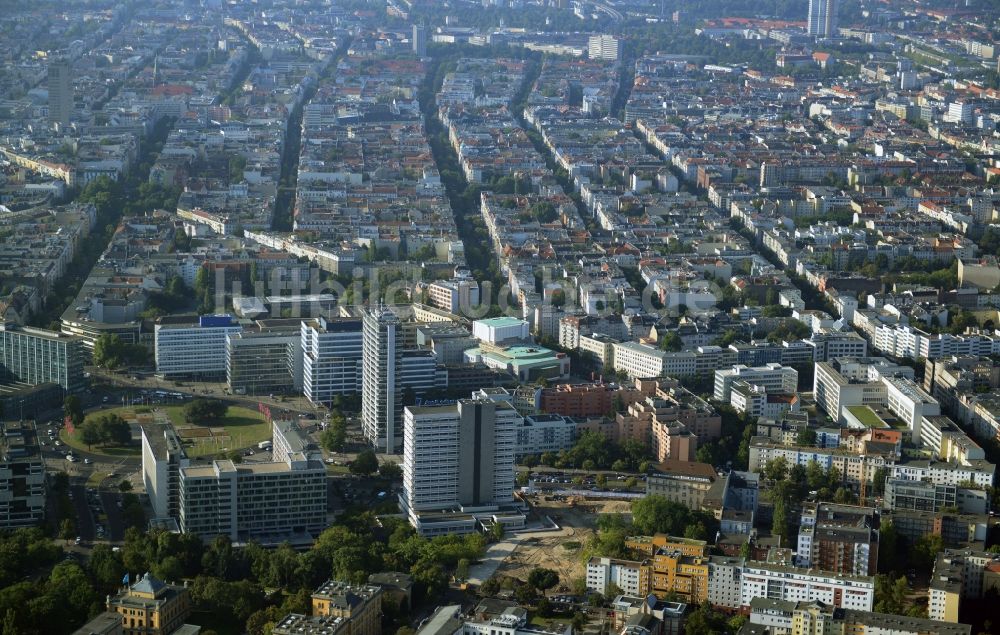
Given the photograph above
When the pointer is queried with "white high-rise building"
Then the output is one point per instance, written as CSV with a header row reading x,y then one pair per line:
x,y
823,17
603,47
458,464
381,392
163,457
331,358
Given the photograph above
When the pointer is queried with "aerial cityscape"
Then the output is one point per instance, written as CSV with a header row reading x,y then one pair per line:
x,y
499,317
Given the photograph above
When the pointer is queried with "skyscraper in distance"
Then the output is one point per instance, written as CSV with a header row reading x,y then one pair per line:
x,y
60,92
420,40
823,18
381,395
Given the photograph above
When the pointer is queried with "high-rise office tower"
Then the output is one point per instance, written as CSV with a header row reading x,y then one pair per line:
x,y
420,40
381,398
603,47
60,92
823,17
458,463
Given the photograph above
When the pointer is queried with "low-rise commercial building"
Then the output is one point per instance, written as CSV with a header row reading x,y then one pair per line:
x,y
923,496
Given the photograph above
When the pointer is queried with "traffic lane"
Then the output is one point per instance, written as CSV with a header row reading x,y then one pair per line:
x,y
116,522
84,519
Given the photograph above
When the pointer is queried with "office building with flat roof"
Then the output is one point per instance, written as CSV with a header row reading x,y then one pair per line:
x,y
458,465
60,85
264,362
298,624
381,389
163,457
22,476
331,357
106,623
195,349
270,502
37,356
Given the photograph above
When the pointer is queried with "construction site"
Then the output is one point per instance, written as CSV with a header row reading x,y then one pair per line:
x,y
560,549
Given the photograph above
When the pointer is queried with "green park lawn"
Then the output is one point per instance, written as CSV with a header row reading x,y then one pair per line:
x,y
73,440
240,428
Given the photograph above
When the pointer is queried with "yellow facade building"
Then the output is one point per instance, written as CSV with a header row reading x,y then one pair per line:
x,y
673,566
151,607
359,604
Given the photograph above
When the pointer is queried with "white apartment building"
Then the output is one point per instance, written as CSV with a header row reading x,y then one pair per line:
x,y
771,377
601,348
948,442
910,402
780,582
194,349
541,433
639,360
331,358
756,402
958,574
906,341
454,295
830,345
624,574
724,581
945,473
458,463
853,466
853,381
603,47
